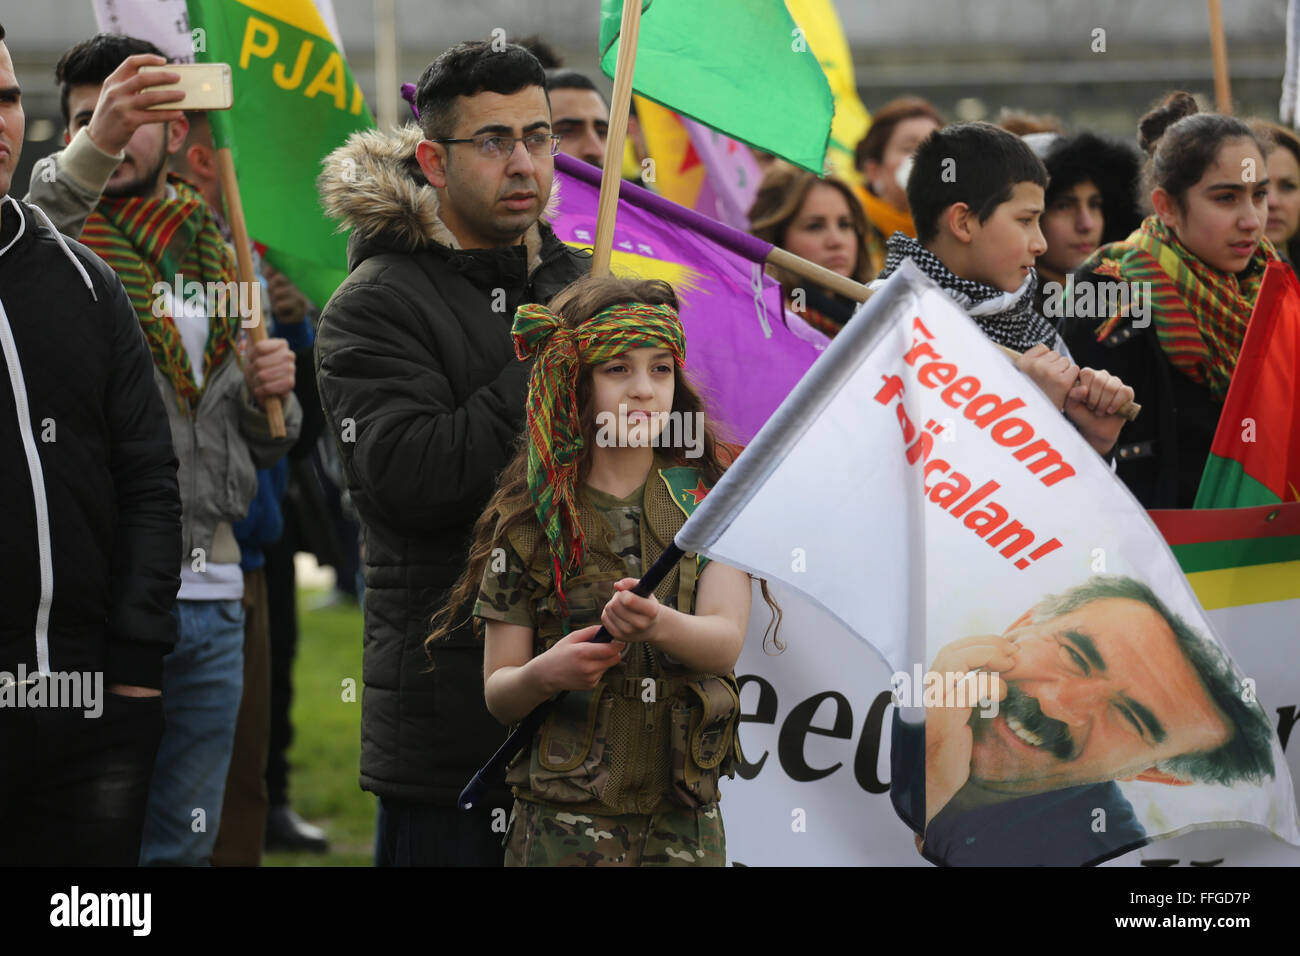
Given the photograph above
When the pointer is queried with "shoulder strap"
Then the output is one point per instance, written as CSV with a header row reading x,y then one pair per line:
x,y
686,488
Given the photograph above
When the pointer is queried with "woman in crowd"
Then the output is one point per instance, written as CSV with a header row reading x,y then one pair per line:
x,y
820,220
1091,199
896,130
1282,152
1197,264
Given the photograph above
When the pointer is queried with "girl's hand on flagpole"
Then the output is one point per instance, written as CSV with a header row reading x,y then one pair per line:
x,y
1052,372
948,735
630,617
1093,406
574,663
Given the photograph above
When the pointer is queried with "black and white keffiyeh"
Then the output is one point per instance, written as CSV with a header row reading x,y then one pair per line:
x,y
1008,318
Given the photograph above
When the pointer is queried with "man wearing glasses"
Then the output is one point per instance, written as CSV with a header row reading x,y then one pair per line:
x,y
420,384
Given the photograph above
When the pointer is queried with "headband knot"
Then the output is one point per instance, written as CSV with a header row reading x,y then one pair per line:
x,y
555,443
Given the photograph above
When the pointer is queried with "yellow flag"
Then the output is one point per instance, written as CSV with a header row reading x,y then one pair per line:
x,y
825,37
678,172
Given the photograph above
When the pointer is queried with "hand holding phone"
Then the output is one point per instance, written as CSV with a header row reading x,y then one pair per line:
x,y
128,99
206,86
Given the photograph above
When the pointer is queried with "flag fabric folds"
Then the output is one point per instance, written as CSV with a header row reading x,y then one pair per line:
x,y
698,167
821,26
295,101
1064,698
738,348
1255,456
742,67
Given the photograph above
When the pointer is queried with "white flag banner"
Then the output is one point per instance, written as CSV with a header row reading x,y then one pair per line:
x,y
1287,107
816,723
166,23
1066,698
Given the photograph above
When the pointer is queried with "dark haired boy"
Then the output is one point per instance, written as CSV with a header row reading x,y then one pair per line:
x,y
976,195
419,380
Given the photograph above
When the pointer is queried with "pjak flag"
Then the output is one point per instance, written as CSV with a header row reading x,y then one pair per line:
x,y
295,102
1065,698
741,66
739,350
1255,457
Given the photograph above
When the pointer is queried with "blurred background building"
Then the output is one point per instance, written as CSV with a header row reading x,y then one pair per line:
x,y
1092,63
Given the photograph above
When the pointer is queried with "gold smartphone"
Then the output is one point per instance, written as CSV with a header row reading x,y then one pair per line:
x,y
206,85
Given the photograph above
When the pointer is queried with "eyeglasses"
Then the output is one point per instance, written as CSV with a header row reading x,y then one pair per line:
x,y
495,146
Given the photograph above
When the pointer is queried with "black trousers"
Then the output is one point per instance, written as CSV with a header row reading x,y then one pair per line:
x,y
73,789
282,623
421,834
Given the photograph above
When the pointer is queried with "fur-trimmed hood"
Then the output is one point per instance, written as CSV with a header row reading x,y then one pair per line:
x,y
1112,166
374,186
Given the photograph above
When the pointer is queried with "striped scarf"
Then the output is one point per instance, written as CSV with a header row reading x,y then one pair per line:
x,y
147,241
1199,313
555,446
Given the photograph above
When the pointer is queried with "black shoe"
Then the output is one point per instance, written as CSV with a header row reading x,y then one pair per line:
x,y
285,830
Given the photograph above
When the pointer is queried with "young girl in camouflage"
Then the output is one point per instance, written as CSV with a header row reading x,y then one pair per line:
x,y
625,770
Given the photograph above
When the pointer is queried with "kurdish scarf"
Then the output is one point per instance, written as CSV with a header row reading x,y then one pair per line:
x,y
1199,313
147,241
555,445
1017,325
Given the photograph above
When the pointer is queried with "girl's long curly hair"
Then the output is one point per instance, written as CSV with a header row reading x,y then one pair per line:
x,y
512,504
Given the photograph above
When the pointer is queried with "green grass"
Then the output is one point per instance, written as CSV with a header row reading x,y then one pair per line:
x,y
326,752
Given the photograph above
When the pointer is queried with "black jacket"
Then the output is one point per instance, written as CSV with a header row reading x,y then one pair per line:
x,y
1161,455
93,515
422,390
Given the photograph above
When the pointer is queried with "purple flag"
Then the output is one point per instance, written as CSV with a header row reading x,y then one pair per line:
x,y
739,350
731,174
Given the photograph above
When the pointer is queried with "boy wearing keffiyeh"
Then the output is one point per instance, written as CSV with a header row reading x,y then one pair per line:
x,y
976,195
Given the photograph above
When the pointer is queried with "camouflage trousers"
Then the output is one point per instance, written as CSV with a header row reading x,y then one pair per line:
x,y
540,835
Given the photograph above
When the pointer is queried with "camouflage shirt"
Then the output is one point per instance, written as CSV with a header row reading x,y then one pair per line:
x,y
508,594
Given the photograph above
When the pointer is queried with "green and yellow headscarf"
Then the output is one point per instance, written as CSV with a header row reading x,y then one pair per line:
x,y
554,430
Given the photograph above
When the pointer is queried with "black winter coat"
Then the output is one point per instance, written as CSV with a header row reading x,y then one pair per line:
x,y
1162,454
92,513
425,397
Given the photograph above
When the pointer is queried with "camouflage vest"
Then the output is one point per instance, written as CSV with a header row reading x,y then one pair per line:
x,y
650,731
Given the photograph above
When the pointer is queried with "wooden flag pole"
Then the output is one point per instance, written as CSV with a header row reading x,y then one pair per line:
x,y
620,107
1219,48
247,277
821,276
386,54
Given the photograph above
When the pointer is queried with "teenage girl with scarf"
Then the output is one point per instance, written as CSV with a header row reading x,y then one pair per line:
x,y
625,770
1203,251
